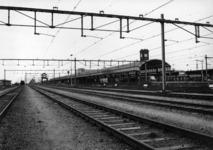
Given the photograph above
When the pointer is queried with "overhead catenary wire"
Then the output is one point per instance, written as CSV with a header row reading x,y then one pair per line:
x,y
3,22
133,38
122,28
177,59
68,22
95,19
158,8
45,34
61,27
166,46
110,5
99,41
186,58
93,36
149,38
141,26
49,29
106,24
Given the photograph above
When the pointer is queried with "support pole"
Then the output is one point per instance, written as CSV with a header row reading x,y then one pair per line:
x,y
52,21
128,77
59,78
202,71
121,28
206,68
75,71
197,34
139,78
127,25
82,26
25,78
196,65
4,77
71,73
8,17
43,63
145,71
54,75
35,23
92,23
163,55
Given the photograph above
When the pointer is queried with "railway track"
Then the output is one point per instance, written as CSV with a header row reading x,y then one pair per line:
x,y
185,106
141,133
6,99
206,96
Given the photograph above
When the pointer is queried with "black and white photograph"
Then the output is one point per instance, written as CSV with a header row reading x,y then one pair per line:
x,y
106,75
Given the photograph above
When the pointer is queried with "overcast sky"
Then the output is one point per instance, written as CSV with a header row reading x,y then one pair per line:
x,y
181,49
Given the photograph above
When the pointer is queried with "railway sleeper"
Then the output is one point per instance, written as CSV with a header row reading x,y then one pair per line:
x,y
156,138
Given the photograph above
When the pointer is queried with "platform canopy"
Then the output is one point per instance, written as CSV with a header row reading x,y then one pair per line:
x,y
153,64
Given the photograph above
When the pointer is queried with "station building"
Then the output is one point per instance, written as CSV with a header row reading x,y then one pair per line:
x,y
5,83
137,72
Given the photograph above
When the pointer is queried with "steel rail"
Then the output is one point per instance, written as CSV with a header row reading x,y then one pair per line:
x,y
125,137
159,103
147,92
6,92
163,101
151,99
178,130
131,141
3,112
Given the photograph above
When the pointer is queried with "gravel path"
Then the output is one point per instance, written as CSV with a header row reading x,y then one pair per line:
x,y
35,123
203,124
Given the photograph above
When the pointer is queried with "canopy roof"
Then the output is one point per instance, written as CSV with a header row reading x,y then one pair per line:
x,y
153,63
135,66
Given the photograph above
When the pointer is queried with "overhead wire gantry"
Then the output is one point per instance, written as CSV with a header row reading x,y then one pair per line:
x,y
47,62
120,18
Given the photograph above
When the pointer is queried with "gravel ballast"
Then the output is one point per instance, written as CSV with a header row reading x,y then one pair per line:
x,y
36,123
195,122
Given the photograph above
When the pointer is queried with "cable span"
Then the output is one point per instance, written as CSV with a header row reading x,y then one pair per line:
x,y
61,27
158,8
130,23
